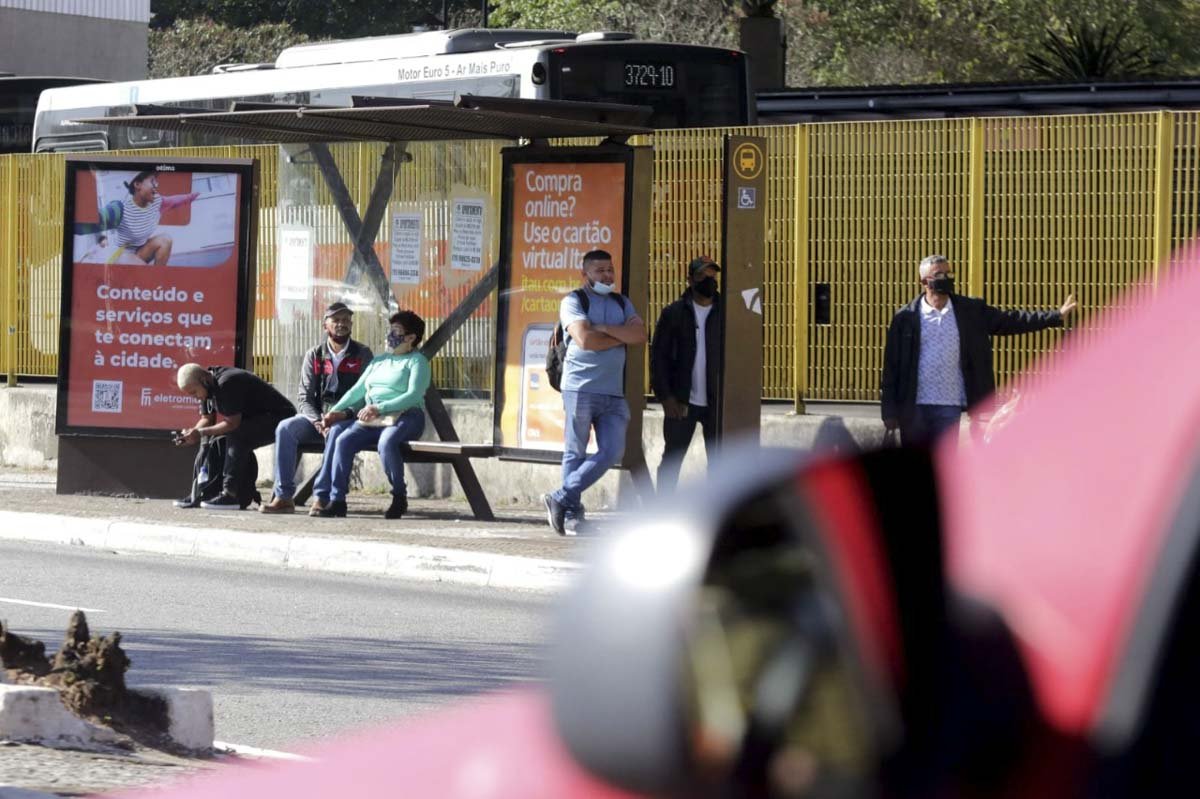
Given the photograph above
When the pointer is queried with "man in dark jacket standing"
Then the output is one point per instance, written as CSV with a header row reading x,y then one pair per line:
x,y
938,357
685,363
328,372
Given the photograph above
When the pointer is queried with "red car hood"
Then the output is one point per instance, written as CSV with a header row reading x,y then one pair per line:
x,y
1061,521
496,747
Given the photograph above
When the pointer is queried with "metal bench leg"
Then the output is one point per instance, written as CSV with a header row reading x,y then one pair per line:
x,y
465,473
305,489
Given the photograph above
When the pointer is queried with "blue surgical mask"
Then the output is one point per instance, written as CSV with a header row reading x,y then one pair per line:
x,y
602,288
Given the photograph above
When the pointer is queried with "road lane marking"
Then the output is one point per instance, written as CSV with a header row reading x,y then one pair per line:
x,y
253,751
48,605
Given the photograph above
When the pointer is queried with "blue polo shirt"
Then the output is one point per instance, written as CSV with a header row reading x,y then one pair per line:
x,y
590,371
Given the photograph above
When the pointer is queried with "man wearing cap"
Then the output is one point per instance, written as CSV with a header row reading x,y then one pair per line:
x,y
685,363
328,372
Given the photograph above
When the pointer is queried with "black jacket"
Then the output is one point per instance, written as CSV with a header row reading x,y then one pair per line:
x,y
673,350
977,322
318,365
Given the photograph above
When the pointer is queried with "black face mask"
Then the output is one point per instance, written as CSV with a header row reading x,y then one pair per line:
x,y
706,287
395,339
942,284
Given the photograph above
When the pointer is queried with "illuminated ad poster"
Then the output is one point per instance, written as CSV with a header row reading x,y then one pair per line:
x,y
557,207
157,272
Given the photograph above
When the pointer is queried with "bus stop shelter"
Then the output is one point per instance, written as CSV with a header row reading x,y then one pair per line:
x,y
398,123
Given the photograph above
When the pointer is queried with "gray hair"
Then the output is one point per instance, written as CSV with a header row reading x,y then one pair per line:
x,y
189,374
930,261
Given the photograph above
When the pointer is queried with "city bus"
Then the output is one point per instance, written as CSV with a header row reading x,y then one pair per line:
x,y
18,102
685,85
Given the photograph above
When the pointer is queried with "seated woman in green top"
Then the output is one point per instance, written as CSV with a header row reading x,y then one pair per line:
x,y
393,386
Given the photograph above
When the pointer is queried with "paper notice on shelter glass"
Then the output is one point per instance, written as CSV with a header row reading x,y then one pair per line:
x,y
406,248
466,235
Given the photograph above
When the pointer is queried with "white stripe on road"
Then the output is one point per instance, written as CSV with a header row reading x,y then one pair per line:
x,y
48,605
253,751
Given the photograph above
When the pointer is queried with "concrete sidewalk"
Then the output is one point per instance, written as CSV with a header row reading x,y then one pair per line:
x,y
439,540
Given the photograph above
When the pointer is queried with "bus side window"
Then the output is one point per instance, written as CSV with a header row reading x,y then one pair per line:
x,y
144,137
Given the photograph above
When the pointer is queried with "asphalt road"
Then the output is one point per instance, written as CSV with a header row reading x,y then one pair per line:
x,y
290,657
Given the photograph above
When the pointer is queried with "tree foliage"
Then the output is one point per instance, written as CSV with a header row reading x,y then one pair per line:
x,y
830,42
194,47
1090,52
316,19
847,42
711,22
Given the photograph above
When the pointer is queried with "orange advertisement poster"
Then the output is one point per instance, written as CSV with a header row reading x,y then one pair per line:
x,y
559,212
152,281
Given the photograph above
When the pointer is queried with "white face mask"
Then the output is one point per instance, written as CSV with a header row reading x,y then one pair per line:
x,y
602,288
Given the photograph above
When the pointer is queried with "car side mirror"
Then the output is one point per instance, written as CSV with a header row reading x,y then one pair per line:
x,y
745,636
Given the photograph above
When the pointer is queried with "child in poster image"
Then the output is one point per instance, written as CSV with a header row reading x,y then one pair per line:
x,y
135,219
140,213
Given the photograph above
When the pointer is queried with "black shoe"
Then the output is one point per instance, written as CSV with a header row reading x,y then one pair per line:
x,y
255,499
222,502
555,513
187,502
334,510
397,509
574,523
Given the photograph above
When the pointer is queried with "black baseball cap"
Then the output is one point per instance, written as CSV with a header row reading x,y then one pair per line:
x,y
700,263
337,308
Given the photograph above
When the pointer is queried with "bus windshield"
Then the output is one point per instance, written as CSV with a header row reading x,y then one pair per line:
x,y
18,102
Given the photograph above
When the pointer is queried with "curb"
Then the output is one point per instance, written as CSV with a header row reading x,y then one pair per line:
x,y
304,553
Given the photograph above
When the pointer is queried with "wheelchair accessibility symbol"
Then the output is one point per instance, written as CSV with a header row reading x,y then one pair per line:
x,y
747,198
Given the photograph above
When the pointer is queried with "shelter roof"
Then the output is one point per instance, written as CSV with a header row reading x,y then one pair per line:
x,y
392,119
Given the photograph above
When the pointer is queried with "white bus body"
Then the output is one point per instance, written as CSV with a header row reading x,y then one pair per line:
x,y
688,85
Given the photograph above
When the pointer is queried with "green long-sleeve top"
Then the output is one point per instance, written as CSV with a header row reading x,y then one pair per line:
x,y
392,383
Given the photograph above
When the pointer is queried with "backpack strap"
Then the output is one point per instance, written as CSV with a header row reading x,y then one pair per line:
x,y
584,303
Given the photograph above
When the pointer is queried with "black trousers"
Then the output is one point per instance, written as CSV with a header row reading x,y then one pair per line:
x,y
252,433
677,436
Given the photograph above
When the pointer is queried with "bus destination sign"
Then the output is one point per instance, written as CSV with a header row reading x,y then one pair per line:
x,y
643,75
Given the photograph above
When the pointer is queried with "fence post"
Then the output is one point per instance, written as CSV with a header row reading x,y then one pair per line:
x,y
975,206
8,265
802,298
1164,163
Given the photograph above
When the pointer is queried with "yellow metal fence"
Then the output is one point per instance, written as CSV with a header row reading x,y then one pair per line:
x,y
1027,209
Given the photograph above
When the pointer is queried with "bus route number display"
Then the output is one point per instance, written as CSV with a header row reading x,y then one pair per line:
x,y
640,75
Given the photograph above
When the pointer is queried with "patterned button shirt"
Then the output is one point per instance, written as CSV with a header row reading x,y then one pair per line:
x,y
939,373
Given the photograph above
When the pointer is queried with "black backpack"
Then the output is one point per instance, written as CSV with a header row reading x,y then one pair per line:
x,y
209,469
556,353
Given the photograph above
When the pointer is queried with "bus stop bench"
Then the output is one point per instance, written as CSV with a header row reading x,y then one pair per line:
x,y
454,453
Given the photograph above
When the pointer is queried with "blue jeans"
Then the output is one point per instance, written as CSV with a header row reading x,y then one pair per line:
x,y
929,422
289,435
610,417
348,438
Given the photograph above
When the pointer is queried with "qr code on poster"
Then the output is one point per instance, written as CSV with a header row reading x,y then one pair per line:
x,y
106,396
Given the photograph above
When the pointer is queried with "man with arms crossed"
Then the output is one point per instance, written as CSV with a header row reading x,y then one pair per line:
x,y
593,385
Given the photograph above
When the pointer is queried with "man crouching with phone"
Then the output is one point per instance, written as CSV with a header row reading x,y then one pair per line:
x,y
250,409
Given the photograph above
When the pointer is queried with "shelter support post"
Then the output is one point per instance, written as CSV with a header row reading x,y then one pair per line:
x,y
362,232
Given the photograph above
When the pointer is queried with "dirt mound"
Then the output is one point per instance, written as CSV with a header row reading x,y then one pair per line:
x,y
89,673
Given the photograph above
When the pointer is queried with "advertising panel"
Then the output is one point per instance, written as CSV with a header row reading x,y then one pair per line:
x,y
156,274
558,206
